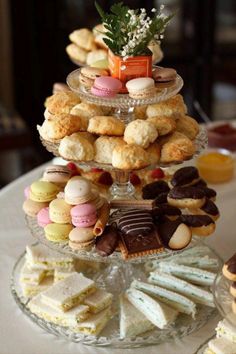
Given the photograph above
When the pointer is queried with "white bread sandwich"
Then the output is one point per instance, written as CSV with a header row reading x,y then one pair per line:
x,y
98,301
220,346
31,276
94,324
226,330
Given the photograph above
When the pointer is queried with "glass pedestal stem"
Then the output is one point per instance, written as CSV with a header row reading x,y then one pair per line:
x,y
125,114
122,188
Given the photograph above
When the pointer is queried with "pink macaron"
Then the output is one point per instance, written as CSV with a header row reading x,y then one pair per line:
x,y
43,217
27,192
84,215
106,86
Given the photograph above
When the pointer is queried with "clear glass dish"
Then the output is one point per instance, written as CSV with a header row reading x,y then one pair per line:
x,y
183,325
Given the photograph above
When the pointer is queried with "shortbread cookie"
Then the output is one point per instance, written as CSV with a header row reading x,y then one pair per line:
x,y
129,157
106,125
174,234
187,126
140,132
99,35
77,148
61,102
76,53
83,38
154,153
178,148
173,107
96,55
163,124
86,110
104,147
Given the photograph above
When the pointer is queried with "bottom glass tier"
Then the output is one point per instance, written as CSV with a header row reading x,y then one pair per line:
x,y
115,279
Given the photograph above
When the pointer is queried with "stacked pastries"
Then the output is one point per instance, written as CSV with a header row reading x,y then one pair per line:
x,y
161,133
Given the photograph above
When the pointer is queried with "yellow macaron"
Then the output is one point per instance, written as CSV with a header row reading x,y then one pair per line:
x,y
59,211
42,191
57,232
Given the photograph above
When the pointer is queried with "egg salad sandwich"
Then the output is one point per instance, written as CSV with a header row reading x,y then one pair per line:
x,y
95,323
220,346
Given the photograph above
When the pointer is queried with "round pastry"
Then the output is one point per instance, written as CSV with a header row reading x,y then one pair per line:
x,y
129,157
42,191
43,218
164,77
76,53
104,147
201,225
229,268
140,132
140,88
201,183
89,74
95,55
57,174
47,114
187,126
177,148
170,212
61,102
232,289
108,241
86,110
81,238
154,189
186,197
84,215
136,222
154,153
57,232
161,199
83,38
173,107
163,124
59,211
106,125
76,147
174,234
78,191
209,208
106,86
185,176
209,192
32,208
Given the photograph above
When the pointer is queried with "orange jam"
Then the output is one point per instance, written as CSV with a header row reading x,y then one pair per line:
x,y
216,167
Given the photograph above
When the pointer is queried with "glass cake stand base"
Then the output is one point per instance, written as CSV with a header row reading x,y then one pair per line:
x,y
114,278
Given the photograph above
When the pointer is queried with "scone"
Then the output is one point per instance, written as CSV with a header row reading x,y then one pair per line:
x,y
86,110
88,136
96,55
76,53
140,112
163,124
154,153
104,147
140,132
60,126
173,107
77,148
61,102
106,125
188,126
178,148
83,38
129,157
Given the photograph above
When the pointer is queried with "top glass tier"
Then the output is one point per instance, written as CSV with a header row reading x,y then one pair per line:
x,y
122,101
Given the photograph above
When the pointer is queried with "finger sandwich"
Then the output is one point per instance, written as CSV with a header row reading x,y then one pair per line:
x,y
30,290
178,302
62,273
95,323
31,276
156,312
69,292
98,301
220,346
226,330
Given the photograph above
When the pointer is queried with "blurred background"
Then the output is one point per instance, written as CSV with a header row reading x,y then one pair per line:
x,y
200,44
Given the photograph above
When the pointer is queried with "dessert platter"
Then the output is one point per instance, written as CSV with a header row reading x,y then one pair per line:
x,y
120,259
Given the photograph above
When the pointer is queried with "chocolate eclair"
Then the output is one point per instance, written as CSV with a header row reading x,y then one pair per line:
x,y
186,197
185,176
108,241
200,183
161,199
174,234
209,208
201,225
154,189
136,222
233,289
208,192
229,268
167,210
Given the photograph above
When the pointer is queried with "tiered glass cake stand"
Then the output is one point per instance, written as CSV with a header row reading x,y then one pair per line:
x,y
113,273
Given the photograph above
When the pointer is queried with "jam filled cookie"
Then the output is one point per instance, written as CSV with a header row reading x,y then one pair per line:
x,y
201,225
174,234
185,177
229,268
186,197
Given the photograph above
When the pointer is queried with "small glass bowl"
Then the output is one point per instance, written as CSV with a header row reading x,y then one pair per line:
x,y
218,140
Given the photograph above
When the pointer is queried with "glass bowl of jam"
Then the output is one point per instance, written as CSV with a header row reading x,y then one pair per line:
x,y
222,135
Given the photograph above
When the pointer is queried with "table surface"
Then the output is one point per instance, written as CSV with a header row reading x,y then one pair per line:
x,y
18,335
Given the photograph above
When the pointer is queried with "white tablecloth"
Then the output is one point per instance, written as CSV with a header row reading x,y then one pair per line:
x,y
18,335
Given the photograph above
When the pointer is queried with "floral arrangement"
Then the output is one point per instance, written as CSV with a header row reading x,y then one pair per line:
x,y
128,32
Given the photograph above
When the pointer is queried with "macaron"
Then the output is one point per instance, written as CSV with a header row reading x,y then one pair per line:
x,y
57,232
57,174
84,215
27,192
43,217
31,208
142,87
42,191
106,86
81,238
78,190
164,77
59,211
89,74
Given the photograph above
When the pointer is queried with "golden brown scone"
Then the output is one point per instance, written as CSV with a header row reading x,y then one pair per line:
x,y
96,55
163,124
86,110
173,107
76,53
106,125
140,132
88,136
61,102
178,148
76,147
104,147
154,153
140,112
84,38
61,125
129,157
188,126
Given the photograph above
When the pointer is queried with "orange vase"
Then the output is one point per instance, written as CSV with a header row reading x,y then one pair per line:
x,y
131,68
